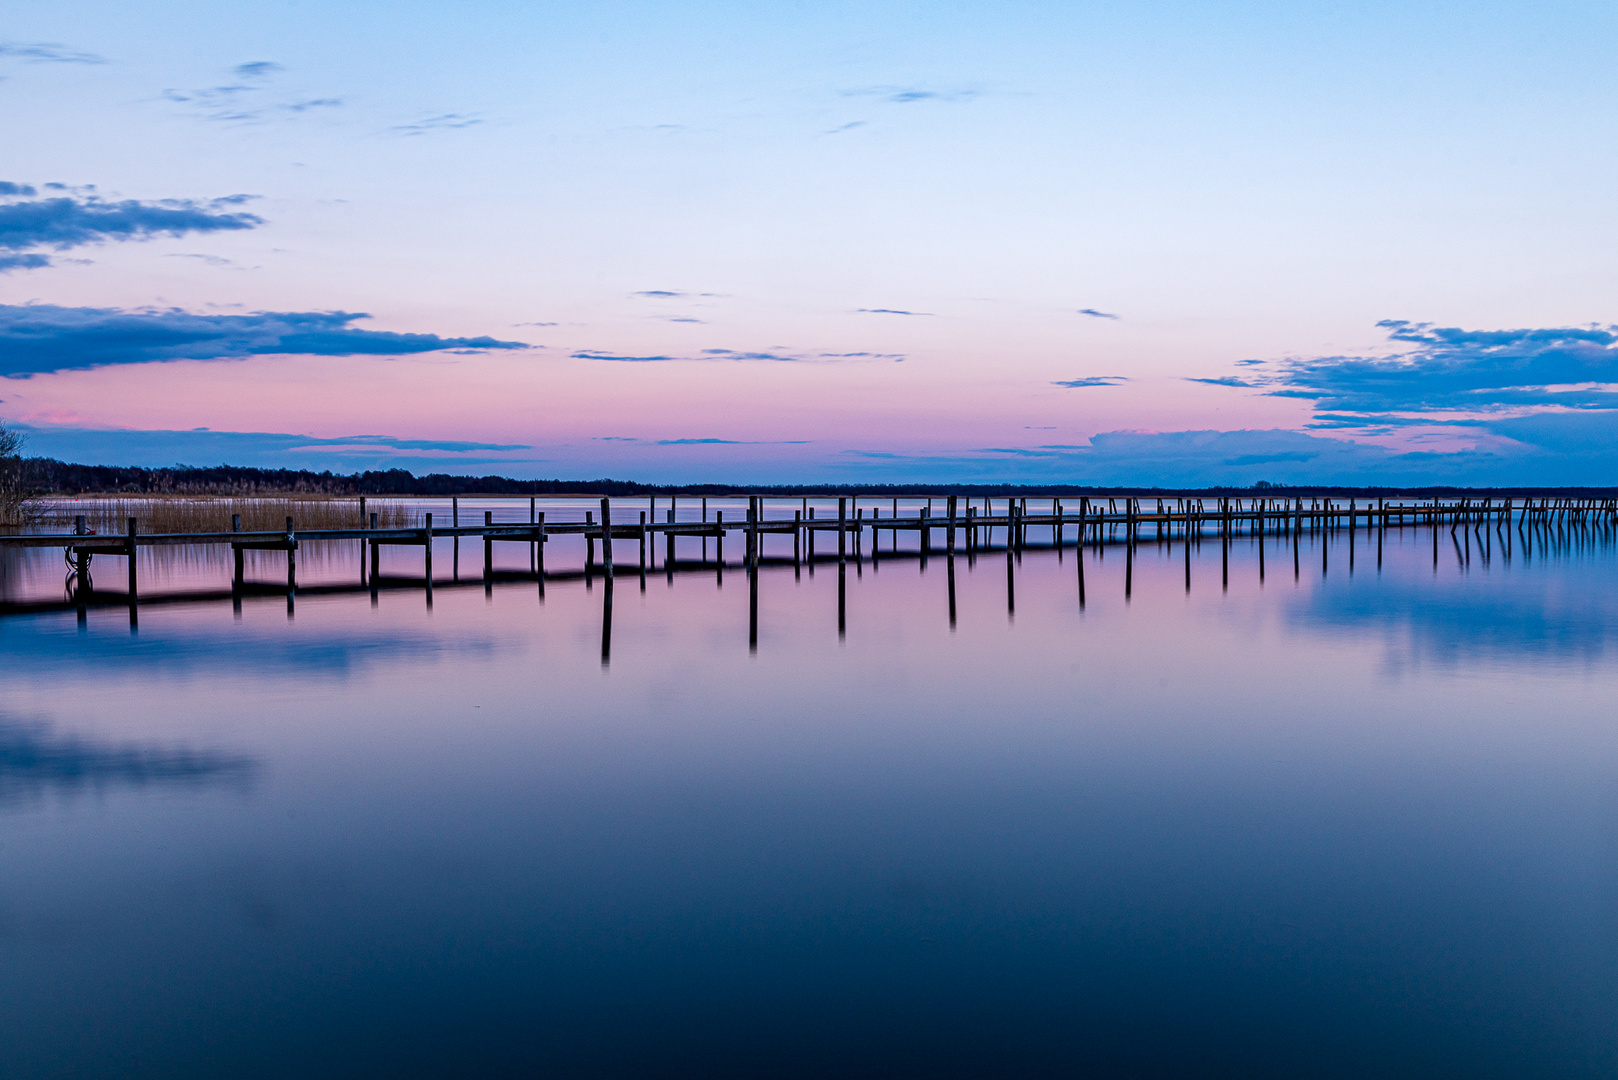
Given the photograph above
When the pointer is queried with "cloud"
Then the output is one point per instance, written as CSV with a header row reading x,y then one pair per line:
x,y
258,69
592,354
1093,380
210,260
1225,380
850,126
37,338
23,262
1094,314
75,220
45,52
1471,371
244,100
658,294
891,311
439,122
714,355
348,453
910,95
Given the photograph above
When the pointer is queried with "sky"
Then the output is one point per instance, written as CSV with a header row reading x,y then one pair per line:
x,y
1145,243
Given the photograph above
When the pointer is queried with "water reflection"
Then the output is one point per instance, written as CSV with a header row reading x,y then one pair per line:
x,y
40,648
33,761
1516,619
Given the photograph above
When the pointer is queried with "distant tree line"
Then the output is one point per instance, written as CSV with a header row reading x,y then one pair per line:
x,y
29,477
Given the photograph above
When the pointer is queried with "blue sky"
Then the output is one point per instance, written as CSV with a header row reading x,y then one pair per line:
x,y
1171,243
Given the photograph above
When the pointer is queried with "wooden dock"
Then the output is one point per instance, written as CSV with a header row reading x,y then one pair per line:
x,y
944,525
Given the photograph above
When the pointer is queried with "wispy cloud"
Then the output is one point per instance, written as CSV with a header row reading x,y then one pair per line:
x,y
39,338
257,69
702,441
1094,314
739,355
77,219
157,448
1092,380
850,126
248,98
46,52
910,95
437,122
891,311
1225,380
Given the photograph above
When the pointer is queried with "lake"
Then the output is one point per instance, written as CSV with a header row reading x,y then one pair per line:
x,y
921,818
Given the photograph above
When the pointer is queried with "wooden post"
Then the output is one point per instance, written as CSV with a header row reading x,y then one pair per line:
x,y
752,533
539,555
950,545
292,559
131,529
797,537
1078,548
606,537
427,548
589,544
719,544
454,512
236,579
842,524
362,511
488,546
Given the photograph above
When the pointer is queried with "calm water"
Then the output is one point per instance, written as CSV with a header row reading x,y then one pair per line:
x,y
1343,824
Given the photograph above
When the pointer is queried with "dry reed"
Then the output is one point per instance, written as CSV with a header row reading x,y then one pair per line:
x,y
188,514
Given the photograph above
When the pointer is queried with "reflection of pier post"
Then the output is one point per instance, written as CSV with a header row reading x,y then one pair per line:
x,y
752,610
131,529
1011,575
606,622
842,601
1129,561
951,570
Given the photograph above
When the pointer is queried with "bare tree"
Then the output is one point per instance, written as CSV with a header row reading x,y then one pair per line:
x,y
12,493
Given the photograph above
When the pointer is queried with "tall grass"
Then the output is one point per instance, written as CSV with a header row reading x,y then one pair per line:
x,y
194,514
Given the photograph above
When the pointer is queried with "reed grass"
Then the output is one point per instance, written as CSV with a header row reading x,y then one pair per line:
x,y
196,514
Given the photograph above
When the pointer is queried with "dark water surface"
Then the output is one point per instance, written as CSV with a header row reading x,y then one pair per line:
x,y
1346,825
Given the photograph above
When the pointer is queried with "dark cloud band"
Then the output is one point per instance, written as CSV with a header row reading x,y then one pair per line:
x,y
38,338
69,221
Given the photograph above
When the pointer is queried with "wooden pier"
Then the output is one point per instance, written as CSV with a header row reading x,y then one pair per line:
x,y
944,525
